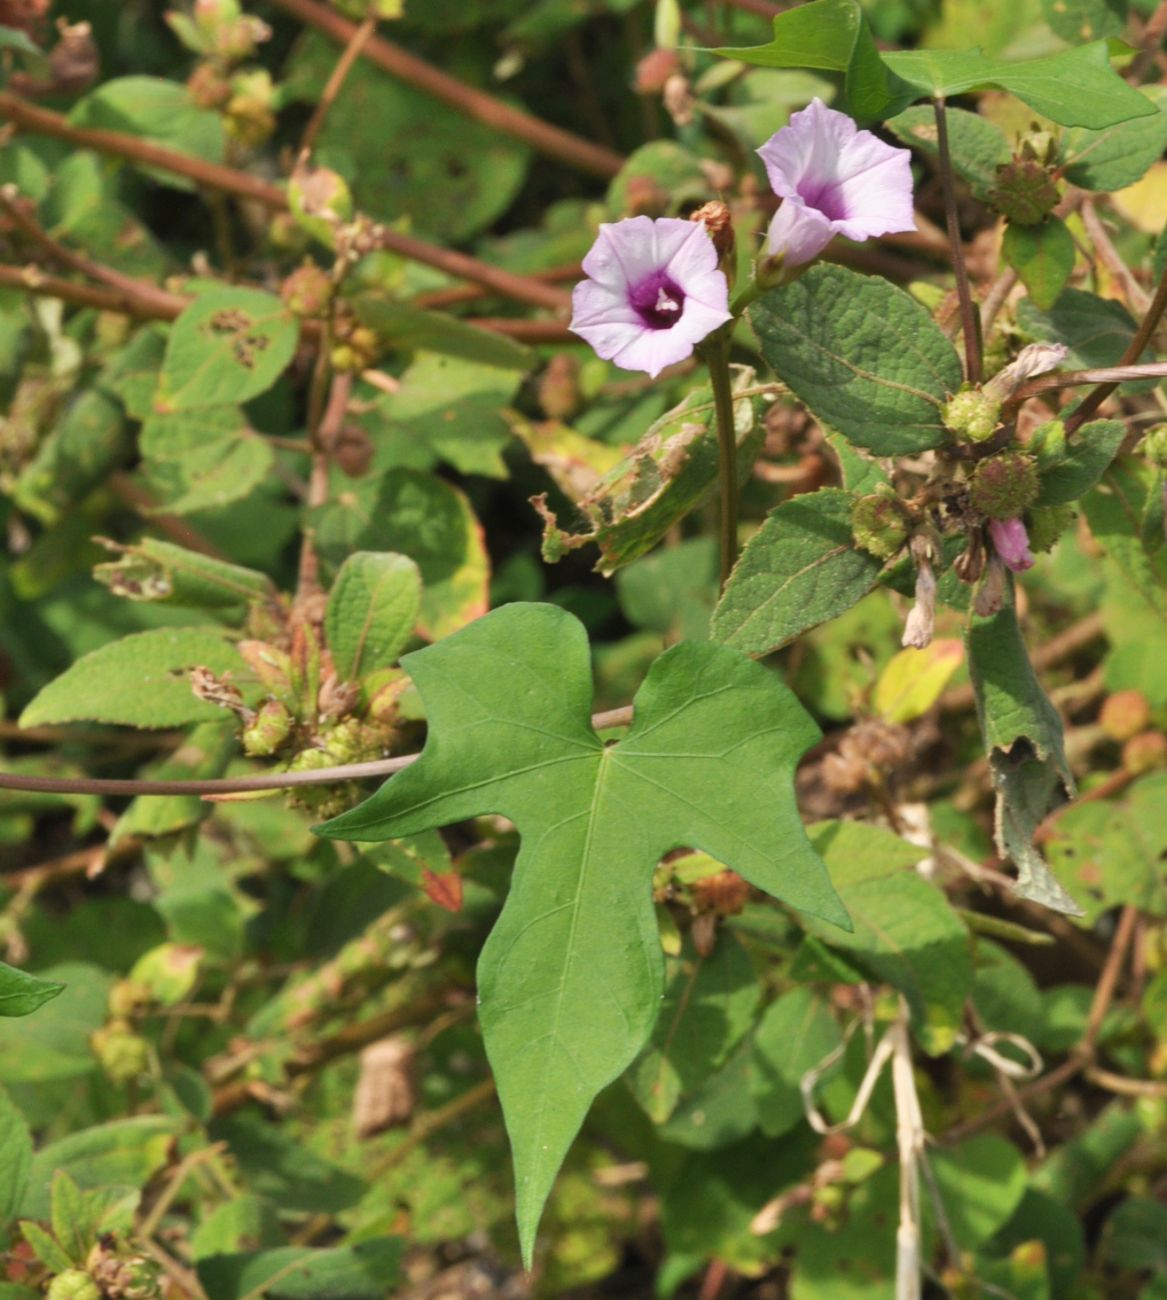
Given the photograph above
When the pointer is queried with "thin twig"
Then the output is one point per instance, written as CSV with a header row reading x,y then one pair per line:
x,y
550,140
1137,297
969,320
1111,375
332,88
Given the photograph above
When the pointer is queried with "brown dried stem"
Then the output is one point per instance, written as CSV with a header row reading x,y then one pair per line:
x,y
969,320
332,88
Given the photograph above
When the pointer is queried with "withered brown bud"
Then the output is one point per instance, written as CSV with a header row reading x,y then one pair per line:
x,y
353,451
718,220
724,894
1124,714
654,70
678,99
384,1095
558,391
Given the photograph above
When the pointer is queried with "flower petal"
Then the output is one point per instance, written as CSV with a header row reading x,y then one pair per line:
x,y
874,191
624,253
803,154
652,350
1011,542
593,304
798,233
694,257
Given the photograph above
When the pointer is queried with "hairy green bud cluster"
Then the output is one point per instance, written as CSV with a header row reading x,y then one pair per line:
x,y
268,730
972,414
1025,192
1047,524
880,523
123,1054
1004,486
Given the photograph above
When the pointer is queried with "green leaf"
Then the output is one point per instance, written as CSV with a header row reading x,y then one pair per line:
x,y
670,168
570,979
68,1216
1043,256
156,571
834,36
1085,20
201,459
404,328
363,1272
981,1182
15,1159
1111,853
1135,1235
1023,739
54,1043
976,145
1113,158
131,374
280,1167
423,517
1097,331
122,1152
864,356
668,474
228,346
1116,511
158,110
22,994
673,590
372,610
139,681
1075,87
797,1033
905,934
1095,446
45,1247
708,1005
799,569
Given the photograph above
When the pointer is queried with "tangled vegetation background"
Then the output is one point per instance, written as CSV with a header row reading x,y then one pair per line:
x,y
289,393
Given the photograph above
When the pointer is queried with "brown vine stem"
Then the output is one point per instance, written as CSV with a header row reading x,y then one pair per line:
x,y
332,88
437,298
1082,1055
241,185
1112,375
1137,297
552,141
969,319
1150,322
621,717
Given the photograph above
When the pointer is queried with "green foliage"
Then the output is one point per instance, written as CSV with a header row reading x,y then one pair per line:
x,y
372,611
21,994
1043,256
586,916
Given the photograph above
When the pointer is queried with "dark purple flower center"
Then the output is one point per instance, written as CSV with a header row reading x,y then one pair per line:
x,y
658,300
826,196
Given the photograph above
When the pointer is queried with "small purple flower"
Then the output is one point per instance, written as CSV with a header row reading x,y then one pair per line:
x,y
1012,543
833,179
653,292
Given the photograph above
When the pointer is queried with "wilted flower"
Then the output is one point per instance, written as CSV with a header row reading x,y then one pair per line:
x,y
653,292
1012,543
833,179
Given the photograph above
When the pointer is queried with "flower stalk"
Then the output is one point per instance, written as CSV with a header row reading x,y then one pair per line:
x,y
969,318
716,353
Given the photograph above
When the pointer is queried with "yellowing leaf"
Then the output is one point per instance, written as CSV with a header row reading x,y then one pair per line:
x,y
912,682
1144,202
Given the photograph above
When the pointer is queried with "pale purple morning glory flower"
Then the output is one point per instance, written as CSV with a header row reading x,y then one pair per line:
x,y
1012,543
833,179
653,292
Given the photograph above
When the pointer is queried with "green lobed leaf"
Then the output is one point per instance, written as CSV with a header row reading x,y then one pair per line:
x,y
1023,739
906,934
1117,156
1095,445
405,328
1043,256
425,518
1076,87
863,355
834,36
570,979
21,994
228,346
15,1159
139,681
799,569
372,610
709,1003
976,145
158,110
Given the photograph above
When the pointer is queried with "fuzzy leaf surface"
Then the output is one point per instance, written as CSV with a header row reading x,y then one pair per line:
x,y
799,569
1095,446
571,977
863,355
372,611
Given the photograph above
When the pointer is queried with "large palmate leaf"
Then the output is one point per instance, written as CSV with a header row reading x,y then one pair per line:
x,y
571,978
864,356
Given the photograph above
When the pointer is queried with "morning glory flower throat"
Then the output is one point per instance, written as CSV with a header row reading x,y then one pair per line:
x,y
653,292
833,179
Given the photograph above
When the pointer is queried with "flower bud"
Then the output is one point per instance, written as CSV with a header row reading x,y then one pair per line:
x,y
1025,192
353,452
211,15
654,70
208,87
238,40
249,117
1004,486
880,523
308,290
718,220
126,997
320,200
1048,444
268,730
73,1284
123,1054
1011,543
972,414
1145,752
1124,714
